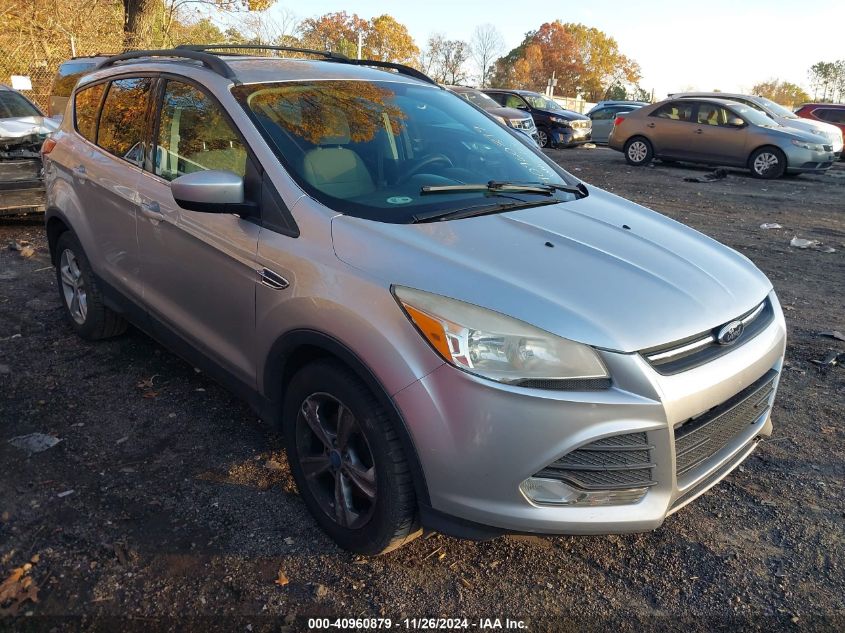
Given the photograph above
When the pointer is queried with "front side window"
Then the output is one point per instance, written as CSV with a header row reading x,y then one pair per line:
x,y
375,149
515,101
86,106
194,135
601,115
14,105
675,111
124,118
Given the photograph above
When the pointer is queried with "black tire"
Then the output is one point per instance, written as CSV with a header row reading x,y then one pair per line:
x,y
638,151
95,321
767,163
545,138
364,526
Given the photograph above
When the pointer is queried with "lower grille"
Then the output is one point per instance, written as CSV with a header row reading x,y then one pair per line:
x,y
700,438
613,463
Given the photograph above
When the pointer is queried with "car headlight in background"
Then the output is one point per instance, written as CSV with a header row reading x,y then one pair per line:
x,y
560,121
813,147
501,119
498,347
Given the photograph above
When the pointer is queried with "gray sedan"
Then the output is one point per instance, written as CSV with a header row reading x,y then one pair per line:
x,y
718,132
603,117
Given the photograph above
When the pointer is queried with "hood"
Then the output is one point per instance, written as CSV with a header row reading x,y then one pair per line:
x,y
509,113
799,134
598,283
809,125
564,114
21,127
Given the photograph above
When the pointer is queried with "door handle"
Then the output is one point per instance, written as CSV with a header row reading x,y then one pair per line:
x,y
650,125
80,172
699,131
150,209
271,279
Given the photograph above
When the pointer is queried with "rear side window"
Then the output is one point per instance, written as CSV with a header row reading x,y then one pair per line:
x,y
195,135
675,111
14,105
601,115
124,118
86,105
832,115
67,76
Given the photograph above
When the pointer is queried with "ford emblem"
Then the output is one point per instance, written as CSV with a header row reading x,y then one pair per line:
x,y
730,332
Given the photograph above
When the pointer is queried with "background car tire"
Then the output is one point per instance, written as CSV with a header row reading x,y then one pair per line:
x,y
545,138
389,522
767,163
80,295
638,151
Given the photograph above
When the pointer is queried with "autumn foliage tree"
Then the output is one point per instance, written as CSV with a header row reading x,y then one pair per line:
x,y
782,92
584,60
382,37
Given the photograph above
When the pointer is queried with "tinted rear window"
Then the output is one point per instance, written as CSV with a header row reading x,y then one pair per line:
x,y
124,118
67,76
832,115
86,105
14,105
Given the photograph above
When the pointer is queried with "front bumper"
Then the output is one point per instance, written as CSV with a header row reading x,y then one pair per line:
x,y
569,137
799,160
478,440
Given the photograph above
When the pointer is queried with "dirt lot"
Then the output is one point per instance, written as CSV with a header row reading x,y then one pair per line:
x,y
168,505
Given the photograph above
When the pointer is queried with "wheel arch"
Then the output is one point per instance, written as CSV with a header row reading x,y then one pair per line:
x,y
297,348
56,224
767,145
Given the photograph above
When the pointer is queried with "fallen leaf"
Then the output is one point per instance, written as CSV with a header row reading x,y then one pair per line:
x,y
282,580
146,383
150,395
27,251
17,589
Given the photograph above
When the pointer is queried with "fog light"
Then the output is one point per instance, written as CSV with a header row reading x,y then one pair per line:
x,y
552,492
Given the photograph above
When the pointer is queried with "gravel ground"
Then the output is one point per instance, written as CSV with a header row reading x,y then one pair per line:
x,y
167,505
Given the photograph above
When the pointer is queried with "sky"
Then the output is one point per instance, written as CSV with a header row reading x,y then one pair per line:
x,y
680,45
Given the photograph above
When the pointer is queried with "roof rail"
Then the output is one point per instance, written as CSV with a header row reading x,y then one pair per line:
x,y
210,61
328,55
266,47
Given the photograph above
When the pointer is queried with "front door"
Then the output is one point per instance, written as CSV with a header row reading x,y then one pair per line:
x,y
199,268
714,140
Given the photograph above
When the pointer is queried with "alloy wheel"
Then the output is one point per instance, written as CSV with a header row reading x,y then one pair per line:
x,y
765,162
336,460
544,138
637,151
73,287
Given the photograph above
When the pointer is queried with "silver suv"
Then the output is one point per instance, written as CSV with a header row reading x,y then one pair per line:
x,y
453,332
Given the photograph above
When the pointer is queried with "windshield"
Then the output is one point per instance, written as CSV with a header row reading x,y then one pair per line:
x,y
778,109
540,102
754,116
367,148
478,98
13,105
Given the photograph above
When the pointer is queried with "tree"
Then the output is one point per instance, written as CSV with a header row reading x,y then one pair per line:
x,y
486,45
584,60
336,32
389,41
782,92
444,60
829,78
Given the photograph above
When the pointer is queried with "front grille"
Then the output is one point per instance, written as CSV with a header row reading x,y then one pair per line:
x,y
613,463
828,148
699,438
565,384
704,347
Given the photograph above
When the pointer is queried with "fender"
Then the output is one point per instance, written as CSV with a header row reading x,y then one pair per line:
x,y
293,348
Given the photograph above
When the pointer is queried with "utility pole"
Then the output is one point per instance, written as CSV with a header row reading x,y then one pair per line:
x,y
360,43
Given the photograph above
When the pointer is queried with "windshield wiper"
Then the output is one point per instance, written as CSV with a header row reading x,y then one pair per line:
x,y
507,186
471,212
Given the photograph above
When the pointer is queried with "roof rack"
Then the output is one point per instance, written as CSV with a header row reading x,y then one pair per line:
x,y
328,55
210,61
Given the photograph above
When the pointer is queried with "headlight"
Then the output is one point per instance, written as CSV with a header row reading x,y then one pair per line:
x,y
501,119
498,347
813,147
560,121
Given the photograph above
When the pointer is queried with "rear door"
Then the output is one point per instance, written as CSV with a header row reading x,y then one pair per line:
x,y
105,171
199,268
671,128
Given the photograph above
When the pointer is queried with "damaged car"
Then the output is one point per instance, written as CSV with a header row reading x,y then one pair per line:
x,y
23,128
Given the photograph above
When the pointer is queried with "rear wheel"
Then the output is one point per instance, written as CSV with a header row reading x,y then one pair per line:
x,y
767,162
80,294
638,151
348,461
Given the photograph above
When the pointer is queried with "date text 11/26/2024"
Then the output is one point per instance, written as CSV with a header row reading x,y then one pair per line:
x,y
417,624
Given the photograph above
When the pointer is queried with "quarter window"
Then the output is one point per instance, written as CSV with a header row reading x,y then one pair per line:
x,y
124,117
86,106
830,114
195,135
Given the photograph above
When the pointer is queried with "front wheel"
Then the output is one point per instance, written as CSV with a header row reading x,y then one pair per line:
x,y
544,137
638,151
767,163
347,460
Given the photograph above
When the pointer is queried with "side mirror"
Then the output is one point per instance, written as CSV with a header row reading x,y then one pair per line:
x,y
736,122
211,191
